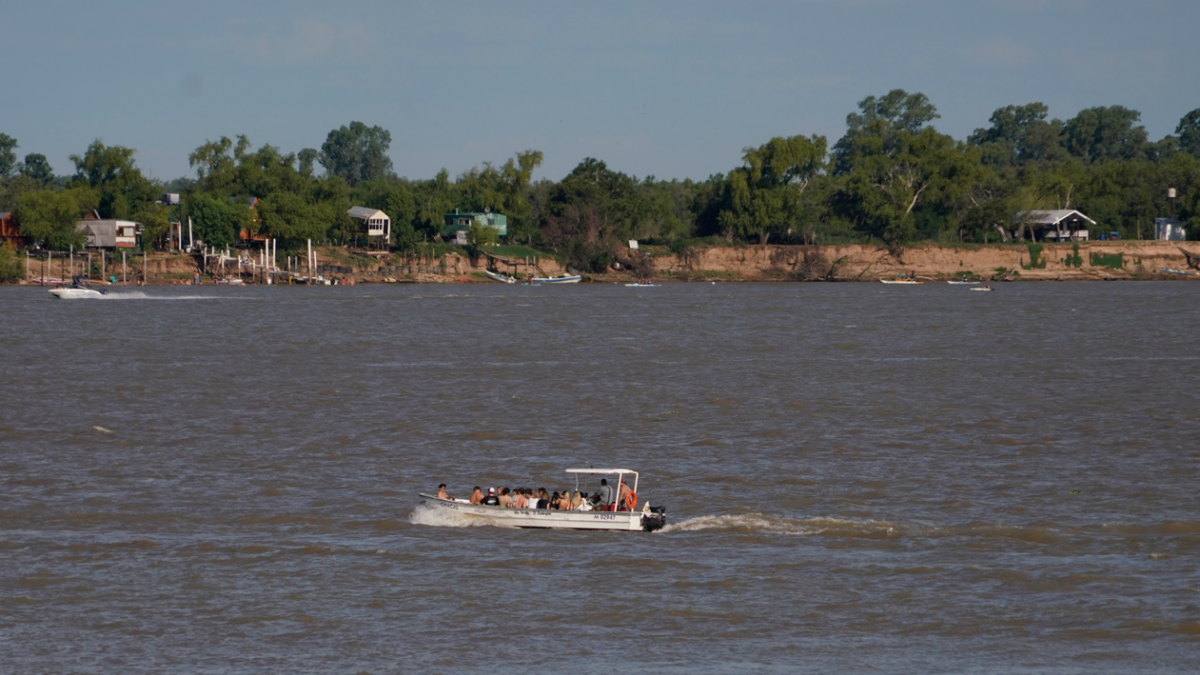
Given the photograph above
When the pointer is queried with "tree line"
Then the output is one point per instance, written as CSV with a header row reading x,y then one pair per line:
x,y
891,179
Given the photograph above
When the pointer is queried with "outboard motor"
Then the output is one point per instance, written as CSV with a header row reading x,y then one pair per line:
x,y
655,519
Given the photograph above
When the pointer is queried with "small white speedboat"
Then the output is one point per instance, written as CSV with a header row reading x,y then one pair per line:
x,y
558,280
985,288
901,281
68,293
643,284
499,276
962,282
631,519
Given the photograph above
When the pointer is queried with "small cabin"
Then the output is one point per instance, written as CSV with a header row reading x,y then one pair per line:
x,y
1055,225
377,223
1169,229
109,233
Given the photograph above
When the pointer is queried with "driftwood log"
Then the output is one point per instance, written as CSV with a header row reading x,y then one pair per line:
x,y
1193,260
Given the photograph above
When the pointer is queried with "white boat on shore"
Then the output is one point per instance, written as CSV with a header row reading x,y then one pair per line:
x,y
646,519
558,280
499,276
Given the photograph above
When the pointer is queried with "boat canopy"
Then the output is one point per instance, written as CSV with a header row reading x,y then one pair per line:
x,y
599,472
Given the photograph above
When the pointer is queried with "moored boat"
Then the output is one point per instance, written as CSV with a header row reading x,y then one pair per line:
x,y
499,276
901,281
631,519
574,279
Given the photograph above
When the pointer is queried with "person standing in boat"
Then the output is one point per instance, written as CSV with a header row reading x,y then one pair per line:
x,y
622,493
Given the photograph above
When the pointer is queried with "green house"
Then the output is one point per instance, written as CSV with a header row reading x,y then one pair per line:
x,y
461,222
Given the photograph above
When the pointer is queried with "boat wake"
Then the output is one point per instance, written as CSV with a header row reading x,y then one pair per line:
x,y
141,295
757,523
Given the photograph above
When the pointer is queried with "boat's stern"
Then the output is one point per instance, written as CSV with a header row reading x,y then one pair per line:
x,y
654,519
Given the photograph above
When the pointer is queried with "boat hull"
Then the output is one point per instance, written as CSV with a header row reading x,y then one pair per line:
x,y
75,293
558,280
626,521
502,278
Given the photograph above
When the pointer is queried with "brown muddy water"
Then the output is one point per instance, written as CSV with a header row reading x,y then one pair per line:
x,y
859,477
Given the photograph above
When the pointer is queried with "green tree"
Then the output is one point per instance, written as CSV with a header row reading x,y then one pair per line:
x,y
765,194
287,216
1189,133
217,222
37,168
357,153
886,116
899,180
306,158
1020,134
8,156
112,171
52,216
155,220
1100,134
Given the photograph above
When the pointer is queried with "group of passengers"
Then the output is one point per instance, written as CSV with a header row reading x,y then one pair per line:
x,y
605,499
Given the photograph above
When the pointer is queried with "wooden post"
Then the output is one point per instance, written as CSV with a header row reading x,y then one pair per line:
x,y
103,268
72,260
124,270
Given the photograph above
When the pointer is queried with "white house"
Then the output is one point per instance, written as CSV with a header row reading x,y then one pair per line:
x,y
109,233
1056,225
378,223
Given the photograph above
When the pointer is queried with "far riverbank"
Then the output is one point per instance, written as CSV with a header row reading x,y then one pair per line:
x,y
1096,260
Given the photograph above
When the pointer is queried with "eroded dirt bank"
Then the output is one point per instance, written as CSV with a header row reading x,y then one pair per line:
x,y
1102,260
1085,260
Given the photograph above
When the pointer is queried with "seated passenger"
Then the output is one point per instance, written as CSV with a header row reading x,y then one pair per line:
x,y
506,499
564,501
543,498
607,498
553,504
442,493
477,496
491,499
576,500
519,501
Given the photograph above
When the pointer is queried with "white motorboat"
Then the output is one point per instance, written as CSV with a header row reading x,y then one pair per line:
x,y
985,288
499,276
642,284
901,281
71,293
633,519
558,280
962,282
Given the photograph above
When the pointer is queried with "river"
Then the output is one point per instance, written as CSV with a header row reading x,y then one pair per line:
x,y
858,477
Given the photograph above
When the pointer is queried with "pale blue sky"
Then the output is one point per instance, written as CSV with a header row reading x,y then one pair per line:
x,y
670,88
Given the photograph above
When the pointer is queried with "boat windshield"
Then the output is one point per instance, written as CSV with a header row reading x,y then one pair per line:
x,y
603,473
